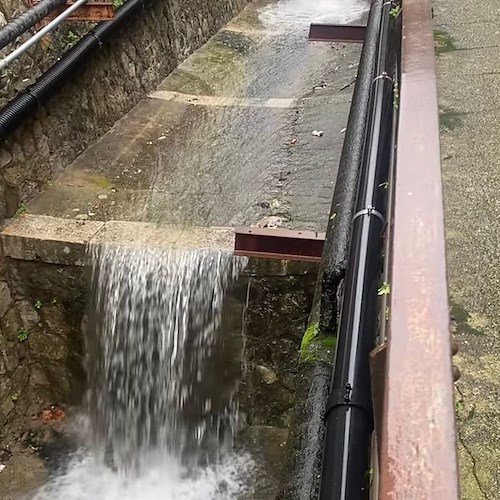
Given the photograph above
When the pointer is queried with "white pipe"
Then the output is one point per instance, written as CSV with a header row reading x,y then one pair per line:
x,y
40,34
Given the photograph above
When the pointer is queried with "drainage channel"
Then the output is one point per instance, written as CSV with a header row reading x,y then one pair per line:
x,y
181,381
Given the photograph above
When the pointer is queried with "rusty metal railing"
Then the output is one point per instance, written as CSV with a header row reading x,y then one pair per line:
x,y
418,447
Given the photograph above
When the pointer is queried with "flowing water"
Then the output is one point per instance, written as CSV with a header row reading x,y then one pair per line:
x,y
163,371
163,361
292,14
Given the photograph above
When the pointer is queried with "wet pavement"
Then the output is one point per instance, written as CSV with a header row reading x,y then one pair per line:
x,y
227,138
468,40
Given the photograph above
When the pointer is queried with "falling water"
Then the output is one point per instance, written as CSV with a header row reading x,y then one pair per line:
x,y
162,378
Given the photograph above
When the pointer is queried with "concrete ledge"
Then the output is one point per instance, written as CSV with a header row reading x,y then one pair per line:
x,y
56,240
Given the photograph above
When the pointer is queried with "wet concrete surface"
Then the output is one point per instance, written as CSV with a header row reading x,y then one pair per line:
x,y
227,140
469,85
245,152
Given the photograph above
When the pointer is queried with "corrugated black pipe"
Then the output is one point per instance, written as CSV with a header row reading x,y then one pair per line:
x,y
26,103
336,248
349,415
26,20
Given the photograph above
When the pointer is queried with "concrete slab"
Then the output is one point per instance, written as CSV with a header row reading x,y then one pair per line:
x,y
55,240
172,238
48,239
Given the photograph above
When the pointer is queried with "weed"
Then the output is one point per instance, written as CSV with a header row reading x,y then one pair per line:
x,y
384,289
14,397
395,11
21,209
72,38
117,4
22,335
38,304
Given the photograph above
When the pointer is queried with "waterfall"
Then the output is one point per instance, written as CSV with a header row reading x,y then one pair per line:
x,y
163,366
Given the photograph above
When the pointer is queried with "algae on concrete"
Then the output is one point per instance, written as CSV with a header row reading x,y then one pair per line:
x,y
443,42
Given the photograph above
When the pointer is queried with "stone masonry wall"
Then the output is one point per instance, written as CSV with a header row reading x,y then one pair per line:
x,y
41,308
37,333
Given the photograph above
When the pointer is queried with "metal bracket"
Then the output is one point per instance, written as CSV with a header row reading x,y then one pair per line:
x,y
336,33
283,244
91,12
369,211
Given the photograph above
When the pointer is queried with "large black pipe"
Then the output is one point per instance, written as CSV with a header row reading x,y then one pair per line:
x,y
349,415
26,103
336,248
27,20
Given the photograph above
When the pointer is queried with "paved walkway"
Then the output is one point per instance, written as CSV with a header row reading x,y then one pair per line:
x,y
468,44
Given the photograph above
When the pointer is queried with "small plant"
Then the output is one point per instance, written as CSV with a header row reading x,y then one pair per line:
x,y
395,11
117,4
21,209
72,38
384,289
38,304
369,474
14,397
459,406
395,101
22,335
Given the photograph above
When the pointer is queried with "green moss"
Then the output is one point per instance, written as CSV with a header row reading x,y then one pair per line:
x,y
465,323
450,118
443,42
101,182
315,346
311,333
21,209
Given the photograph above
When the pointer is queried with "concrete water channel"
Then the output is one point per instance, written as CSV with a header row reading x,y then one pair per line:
x,y
227,139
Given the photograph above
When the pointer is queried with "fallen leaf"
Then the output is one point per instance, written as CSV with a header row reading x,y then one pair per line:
x,y
54,414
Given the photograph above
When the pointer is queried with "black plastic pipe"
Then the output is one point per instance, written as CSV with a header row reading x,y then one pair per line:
x,y
22,23
27,102
349,415
336,248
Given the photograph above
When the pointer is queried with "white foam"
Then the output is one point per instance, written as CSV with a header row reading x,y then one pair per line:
x,y
293,13
87,479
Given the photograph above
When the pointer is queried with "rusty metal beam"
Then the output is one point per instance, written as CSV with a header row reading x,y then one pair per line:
x,y
336,33
285,244
418,442
90,12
